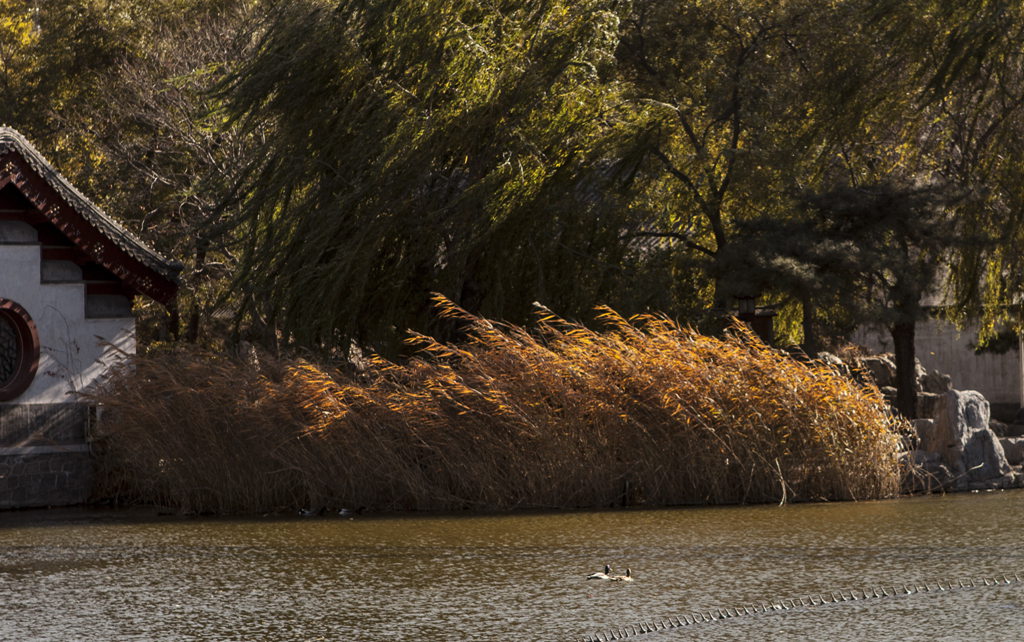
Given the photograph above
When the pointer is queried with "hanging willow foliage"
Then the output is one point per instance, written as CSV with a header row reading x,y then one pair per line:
x,y
356,155
417,145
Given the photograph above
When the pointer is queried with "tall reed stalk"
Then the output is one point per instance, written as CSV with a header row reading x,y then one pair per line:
x,y
641,412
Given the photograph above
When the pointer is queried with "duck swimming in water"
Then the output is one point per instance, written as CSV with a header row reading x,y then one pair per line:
x,y
601,576
628,577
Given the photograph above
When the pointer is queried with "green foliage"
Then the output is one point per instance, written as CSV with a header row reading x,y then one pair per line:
x,y
886,243
714,86
171,164
447,145
320,166
964,63
117,94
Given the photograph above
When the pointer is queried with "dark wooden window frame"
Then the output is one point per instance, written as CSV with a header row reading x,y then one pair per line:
x,y
28,349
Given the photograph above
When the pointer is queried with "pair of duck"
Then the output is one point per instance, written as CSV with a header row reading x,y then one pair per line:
x,y
628,577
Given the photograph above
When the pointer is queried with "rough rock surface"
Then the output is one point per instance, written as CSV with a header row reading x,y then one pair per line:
x,y
929,404
881,368
954,443
835,362
963,440
926,473
924,458
1007,430
924,427
936,382
1013,448
920,372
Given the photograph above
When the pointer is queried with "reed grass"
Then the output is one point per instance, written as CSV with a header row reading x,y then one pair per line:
x,y
642,411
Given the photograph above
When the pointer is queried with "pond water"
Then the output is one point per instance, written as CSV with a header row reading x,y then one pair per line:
x,y
116,575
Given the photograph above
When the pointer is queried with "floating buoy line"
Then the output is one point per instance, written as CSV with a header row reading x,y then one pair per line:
x,y
832,597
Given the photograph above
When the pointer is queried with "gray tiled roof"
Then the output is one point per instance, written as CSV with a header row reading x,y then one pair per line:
x,y
10,140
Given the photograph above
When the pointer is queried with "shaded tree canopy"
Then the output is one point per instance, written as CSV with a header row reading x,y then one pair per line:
x,y
322,166
450,146
887,243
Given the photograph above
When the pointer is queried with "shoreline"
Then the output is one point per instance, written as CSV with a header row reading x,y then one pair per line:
x,y
142,512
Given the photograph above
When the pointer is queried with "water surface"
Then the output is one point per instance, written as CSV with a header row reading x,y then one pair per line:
x,y
94,575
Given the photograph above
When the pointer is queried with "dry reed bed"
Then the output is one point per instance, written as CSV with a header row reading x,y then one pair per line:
x,y
560,416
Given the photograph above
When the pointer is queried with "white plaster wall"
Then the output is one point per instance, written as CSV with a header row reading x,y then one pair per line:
x,y
940,346
74,351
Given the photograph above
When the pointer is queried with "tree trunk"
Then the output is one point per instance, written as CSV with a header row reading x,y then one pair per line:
x,y
906,371
811,344
192,326
173,320
194,313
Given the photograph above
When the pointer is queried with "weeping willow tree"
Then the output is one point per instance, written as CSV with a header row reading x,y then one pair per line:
x,y
720,91
966,63
453,146
978,94
336,161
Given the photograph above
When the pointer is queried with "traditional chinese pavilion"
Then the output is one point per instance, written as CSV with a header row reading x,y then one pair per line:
x,y
68,276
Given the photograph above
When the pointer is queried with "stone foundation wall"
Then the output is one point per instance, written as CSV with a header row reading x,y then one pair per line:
x,y
44,455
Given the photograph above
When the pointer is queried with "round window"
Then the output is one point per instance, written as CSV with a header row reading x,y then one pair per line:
x,y
19,350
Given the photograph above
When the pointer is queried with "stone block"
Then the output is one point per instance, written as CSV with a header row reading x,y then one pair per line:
x,y
55,479
928,404
929,476
924,428
833,362
1011,430
919,374
963,439
1013,448
1003,482
59,271
17,232
998,427
935,382
881,368
107,306
925,459
43,424
1019,418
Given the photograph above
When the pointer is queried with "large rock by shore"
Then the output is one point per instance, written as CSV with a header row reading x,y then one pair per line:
x,y
955,445
962,438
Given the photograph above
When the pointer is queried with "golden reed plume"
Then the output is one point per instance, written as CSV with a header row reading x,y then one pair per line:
x,y
642,411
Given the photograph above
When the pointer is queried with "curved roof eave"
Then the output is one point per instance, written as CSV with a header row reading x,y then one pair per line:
x,y
11,140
